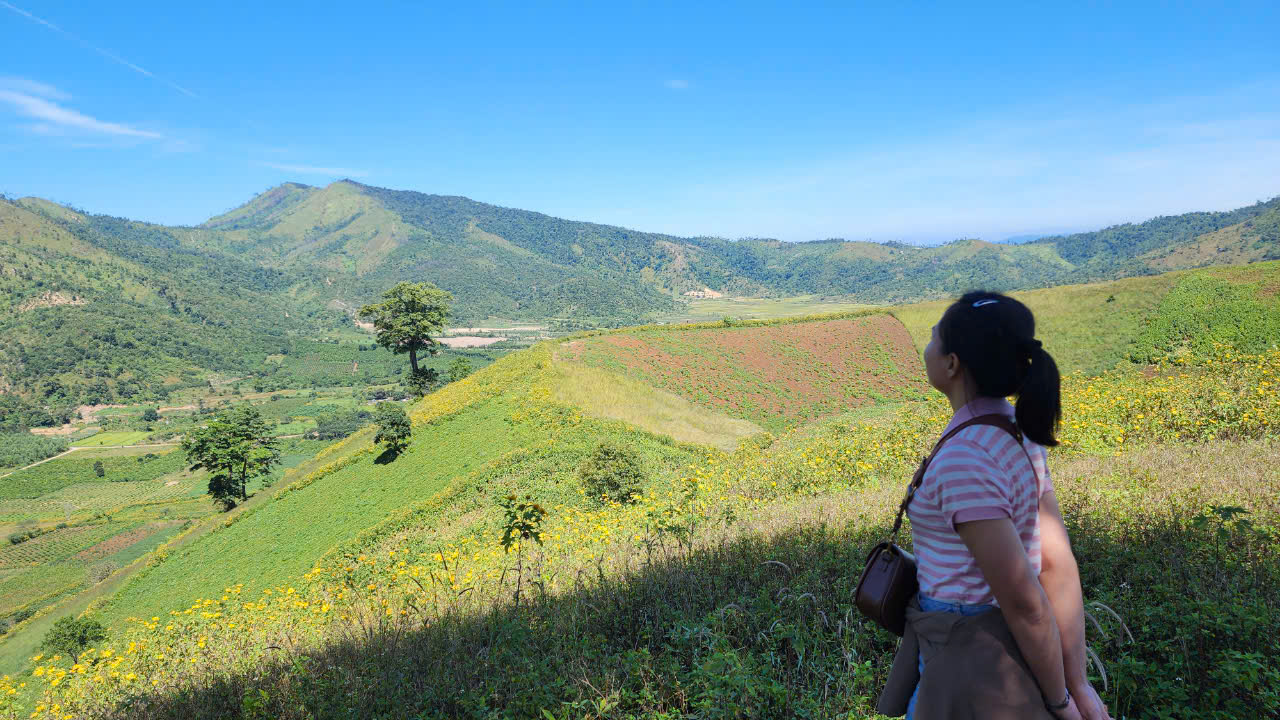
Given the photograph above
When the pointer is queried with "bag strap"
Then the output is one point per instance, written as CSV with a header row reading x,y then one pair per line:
x,y
999,420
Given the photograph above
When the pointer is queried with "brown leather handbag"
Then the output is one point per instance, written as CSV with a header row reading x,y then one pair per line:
x,y
889,579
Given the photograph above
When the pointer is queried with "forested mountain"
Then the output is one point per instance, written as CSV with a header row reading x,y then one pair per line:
x,y
517,263
97,308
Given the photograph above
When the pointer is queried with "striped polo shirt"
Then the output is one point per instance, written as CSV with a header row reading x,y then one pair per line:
x,y
979,474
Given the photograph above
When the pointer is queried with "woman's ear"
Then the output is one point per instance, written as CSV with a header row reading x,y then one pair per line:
x,y
951,363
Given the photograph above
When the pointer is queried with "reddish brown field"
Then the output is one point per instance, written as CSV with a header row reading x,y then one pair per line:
x,y
777,375
116,543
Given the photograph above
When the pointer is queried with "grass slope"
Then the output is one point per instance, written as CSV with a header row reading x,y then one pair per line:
x,y
284,538
608,395
1089,328
724,590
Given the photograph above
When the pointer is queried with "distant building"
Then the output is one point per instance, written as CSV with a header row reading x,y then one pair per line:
x,y
703,294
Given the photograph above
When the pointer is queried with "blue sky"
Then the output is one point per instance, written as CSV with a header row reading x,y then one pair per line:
x,y
924,122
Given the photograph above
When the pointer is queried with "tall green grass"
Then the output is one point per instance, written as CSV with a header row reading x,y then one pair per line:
x,y
1203,313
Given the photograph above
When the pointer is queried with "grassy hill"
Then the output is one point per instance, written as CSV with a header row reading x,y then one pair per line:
x,y
97,309
382,588
1090,328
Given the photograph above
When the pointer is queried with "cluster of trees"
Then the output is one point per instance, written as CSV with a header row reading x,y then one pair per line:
x,y
237,445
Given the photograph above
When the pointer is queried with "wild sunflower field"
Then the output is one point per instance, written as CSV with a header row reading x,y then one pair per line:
x,y
723,589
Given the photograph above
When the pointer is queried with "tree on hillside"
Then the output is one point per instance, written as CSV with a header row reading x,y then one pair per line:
x,y
98,468
235,447
72,636
150,415
394,428
407,317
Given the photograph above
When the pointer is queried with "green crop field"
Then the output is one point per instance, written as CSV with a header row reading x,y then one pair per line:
x,y
51,565
138,465
56,545
128,437
40,586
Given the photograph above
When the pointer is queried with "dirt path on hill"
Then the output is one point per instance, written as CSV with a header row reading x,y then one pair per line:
x,y
74,448
123,446
68,451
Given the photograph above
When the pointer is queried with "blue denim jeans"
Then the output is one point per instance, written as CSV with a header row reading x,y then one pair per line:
x,y
928,604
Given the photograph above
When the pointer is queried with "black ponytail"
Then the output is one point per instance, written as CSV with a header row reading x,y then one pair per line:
x,y
994,336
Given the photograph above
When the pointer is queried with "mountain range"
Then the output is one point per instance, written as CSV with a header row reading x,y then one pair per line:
x,y
98,308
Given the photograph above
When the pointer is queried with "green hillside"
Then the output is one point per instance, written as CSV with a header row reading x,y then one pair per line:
x,y
1093,327
103,309
380,588
98,309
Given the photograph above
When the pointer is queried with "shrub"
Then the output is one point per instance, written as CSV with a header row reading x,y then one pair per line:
x,y
612,472
337,425
1202,314
26,530
394,429
98,469
421,382
101,571
459,368
150,415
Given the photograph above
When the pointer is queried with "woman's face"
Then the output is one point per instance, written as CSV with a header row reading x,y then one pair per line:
x,y
936,364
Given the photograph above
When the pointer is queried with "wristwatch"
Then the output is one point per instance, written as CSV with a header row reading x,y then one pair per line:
x,y
1055,707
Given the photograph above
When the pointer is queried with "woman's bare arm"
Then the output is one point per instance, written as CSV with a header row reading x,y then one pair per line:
x,y
997,548
1060,577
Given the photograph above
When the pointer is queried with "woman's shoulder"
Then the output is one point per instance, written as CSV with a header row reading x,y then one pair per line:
x,y
975,447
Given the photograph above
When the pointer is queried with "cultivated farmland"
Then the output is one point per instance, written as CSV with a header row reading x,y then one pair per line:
x,y
775,375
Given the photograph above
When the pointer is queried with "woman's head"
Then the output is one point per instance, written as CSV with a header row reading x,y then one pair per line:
x,y
985,343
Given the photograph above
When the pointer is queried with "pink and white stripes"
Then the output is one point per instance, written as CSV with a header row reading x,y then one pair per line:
x,y
978,474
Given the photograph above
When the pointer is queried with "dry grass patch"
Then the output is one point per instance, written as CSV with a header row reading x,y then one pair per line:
x,y
604,394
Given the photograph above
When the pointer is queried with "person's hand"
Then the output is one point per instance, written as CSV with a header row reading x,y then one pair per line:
x,y
1090,705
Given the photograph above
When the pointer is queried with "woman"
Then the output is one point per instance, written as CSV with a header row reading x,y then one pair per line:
x,y
988,533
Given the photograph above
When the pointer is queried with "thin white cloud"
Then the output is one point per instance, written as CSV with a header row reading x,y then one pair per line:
x,y
55,119
314,170
677,84
101,51
31,87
